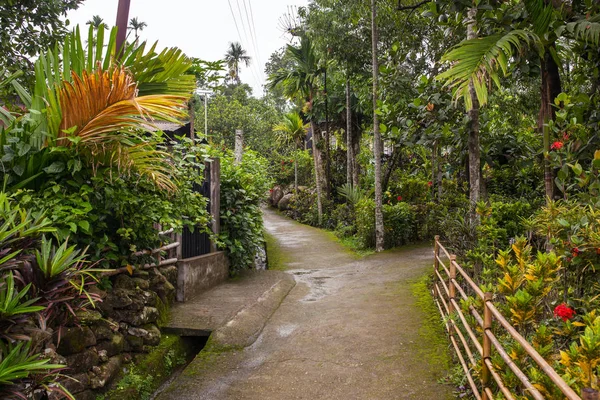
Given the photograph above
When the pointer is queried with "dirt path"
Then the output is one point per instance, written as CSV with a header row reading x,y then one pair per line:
x,y
350,329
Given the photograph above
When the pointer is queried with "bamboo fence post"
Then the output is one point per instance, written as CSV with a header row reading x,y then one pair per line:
x,y
486,345
451,286
590,394
436,252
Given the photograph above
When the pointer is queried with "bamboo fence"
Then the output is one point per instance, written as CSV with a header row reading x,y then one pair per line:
x,y
448,291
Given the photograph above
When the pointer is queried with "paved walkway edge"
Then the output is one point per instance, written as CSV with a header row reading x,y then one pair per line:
x,y
246,326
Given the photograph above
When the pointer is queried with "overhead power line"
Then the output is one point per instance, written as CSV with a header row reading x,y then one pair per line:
x,y
257,80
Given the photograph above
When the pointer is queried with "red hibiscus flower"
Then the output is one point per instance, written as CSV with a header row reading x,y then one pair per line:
x,y
564,312
557,145
399,198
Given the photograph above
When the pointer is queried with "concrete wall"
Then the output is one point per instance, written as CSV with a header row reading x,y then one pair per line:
x,y
199,274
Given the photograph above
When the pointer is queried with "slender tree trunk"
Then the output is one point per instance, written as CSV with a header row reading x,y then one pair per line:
x,y
551,87
296,170
239,146
473,129
317,172
349,144
327,140
396,154
434,167
439,175
356,137
377,149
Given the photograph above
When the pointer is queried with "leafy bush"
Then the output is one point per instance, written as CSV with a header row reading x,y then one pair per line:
x,y
103,211
242,189
398,219
282,167
40,287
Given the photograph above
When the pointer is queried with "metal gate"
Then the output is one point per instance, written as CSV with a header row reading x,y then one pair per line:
x,y
197,243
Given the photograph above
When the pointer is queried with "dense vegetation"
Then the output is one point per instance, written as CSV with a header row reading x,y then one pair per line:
x,y
487,115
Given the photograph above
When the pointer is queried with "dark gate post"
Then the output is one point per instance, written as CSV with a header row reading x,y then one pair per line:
x,y
215,199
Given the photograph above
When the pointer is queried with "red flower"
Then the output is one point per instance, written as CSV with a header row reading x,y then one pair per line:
x,y
575,251
557,145
282,162
271,190
399,198
430,184
564,312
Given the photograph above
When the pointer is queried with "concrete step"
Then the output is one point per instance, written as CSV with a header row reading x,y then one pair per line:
x,y
234,312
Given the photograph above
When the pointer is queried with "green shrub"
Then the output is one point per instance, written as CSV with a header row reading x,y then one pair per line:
x,y
399,223
365,223
398,220
242,189
115,216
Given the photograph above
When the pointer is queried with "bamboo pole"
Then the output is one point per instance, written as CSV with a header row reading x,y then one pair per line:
x,y
487,346
436,253
452,293
590,394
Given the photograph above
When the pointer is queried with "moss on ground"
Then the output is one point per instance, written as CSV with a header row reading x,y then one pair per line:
x,y
434,345
143,377
275,255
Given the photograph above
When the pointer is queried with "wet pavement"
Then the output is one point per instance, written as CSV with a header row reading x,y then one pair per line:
x,y
349,329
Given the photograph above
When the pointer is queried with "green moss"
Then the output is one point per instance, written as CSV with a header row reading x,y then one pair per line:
x,y
275,255
144,377
163,312
434,346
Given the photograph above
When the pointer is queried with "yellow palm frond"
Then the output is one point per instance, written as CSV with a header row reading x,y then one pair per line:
x,y
104,102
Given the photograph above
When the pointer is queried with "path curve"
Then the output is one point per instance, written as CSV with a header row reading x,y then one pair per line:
x,y
350,329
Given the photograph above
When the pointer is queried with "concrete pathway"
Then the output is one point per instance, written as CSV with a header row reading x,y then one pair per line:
x,y
350,329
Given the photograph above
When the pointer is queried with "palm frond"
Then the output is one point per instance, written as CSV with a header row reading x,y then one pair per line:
x,y
480,61
541,15
587,29
102,103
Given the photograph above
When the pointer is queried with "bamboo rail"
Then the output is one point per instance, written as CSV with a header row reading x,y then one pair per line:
x,y
446,277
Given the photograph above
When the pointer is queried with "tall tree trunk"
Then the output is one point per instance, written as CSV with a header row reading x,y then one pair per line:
x,y
434,167
327,140
296,170
377,148
239,146
349,144
356,137
317,171
551,87
391,165
473,129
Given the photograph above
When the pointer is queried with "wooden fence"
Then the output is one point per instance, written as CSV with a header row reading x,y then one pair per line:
x,y
447,293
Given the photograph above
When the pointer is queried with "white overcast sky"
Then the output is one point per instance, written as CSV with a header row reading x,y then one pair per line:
x,y
204,28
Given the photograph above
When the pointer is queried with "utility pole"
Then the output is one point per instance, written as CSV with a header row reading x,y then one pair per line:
x,y
205,93
122,21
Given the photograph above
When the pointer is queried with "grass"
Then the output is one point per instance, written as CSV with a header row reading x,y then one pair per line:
x,y
275,255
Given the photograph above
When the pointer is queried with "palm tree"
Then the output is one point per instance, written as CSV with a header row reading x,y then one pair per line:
x,y
96,22
135,25
292,129
235,56
480,61
104,109
302,80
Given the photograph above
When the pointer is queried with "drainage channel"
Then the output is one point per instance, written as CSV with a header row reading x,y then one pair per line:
x,y
193,346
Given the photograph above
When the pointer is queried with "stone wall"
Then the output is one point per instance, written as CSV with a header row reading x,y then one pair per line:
x,y
126,323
